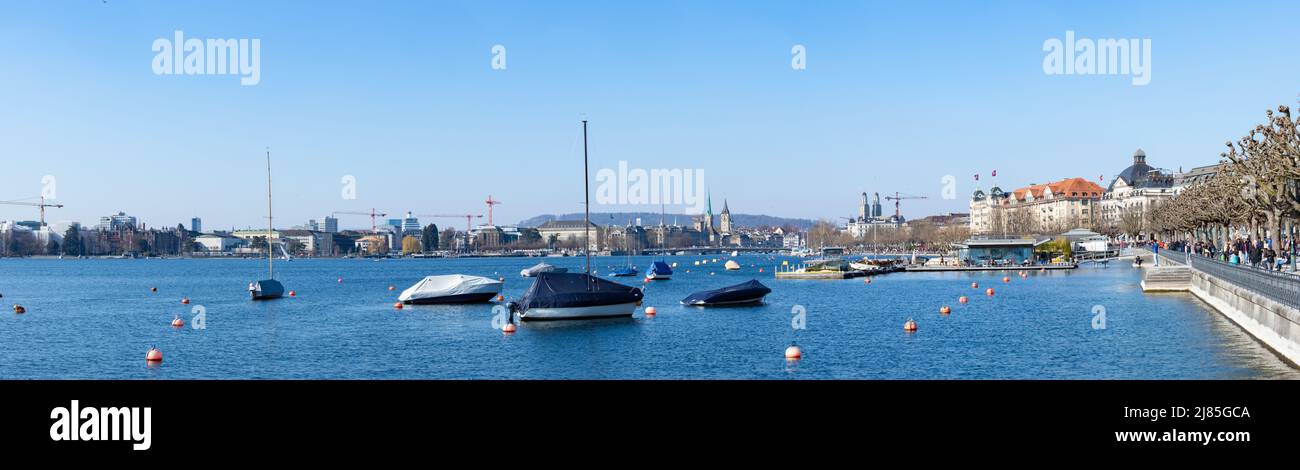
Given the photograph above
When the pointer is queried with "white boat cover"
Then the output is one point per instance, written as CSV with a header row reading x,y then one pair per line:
x,y
542,268
732,265
450,285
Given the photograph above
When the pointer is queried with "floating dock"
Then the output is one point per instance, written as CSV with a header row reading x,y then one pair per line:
x,y
1050,267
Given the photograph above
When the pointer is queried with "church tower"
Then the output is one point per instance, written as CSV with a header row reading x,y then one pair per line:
x,y
724,224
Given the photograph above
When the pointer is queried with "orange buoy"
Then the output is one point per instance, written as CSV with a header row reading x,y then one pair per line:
x,y
500,297
177,322
1006,279
508,328
392,288
760,270
945,310
974,285
962,299
909,325
989,291
866,281
19,309
650,311
793,352
397,305
293,293
185,301
154,355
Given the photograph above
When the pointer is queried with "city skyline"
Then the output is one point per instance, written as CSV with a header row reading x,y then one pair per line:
x,y
431,127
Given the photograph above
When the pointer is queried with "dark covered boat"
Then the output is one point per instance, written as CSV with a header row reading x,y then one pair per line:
x,y
575,296
751,292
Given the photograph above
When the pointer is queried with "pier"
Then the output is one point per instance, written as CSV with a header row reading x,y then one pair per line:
x,y
1049,267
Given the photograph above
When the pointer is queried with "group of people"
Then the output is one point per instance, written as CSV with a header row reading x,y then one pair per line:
x,y
1250,251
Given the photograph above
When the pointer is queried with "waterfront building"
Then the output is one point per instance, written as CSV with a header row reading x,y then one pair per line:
x,y
326,224
569,233
1183,179
1136,190
1037,208
115,222
996,251
219,243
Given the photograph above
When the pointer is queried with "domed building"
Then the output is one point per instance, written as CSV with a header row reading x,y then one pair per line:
x,y
1134,191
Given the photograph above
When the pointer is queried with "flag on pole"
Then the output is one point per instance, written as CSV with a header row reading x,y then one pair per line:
x,y
977,177
995,173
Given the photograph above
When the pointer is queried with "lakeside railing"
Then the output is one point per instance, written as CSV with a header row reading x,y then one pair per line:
x,y
1283,288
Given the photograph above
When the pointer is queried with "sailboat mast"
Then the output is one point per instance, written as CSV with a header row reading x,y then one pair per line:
x,y
270,224
586,206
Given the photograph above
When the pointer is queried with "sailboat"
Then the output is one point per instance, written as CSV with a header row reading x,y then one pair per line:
x,y
627,270
577,296
659,270
268,288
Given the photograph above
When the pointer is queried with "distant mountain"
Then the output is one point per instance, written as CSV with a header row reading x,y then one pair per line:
x,y
652,218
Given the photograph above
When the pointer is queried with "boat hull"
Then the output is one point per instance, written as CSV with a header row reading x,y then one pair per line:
x,y
266,290
579,313
658,277
477,297
728,303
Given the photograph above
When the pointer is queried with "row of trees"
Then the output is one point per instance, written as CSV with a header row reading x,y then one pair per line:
x,y
920,235
1254,193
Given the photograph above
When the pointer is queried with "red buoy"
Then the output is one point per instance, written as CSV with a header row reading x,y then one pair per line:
x,y
945,310
866,281
154,355
909,325
392,288
19,309
185,301
340,280
962,299
793,352
508,328
989,292
974,285
500,297
177,322
397,305
293,293
1006,279
650,311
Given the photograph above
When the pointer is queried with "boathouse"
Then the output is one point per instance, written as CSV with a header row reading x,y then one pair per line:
x,y
999,251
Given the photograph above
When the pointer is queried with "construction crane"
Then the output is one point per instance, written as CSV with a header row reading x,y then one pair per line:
x,y
491,203
374,226
899,197
41,205
469,218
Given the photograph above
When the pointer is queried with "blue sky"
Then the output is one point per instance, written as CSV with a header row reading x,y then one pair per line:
x,y
402,96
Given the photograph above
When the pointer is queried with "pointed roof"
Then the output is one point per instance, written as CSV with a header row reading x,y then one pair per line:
x,y
725,210
709,206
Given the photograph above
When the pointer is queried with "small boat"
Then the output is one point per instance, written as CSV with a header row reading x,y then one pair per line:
x,y
732,265
659,271
542,268
735,253
751,292
451,289
575,296
626,271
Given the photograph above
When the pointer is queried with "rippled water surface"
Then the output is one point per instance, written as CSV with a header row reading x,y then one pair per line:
x,y
96,319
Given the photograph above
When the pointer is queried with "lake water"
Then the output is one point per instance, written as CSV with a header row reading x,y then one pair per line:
x,y
95,319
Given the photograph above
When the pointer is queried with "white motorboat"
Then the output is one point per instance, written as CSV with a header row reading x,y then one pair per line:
x,y
451,289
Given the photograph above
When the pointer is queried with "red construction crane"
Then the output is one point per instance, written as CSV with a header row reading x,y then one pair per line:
x,y
41,205
898,197
491,203
374,226
469,218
